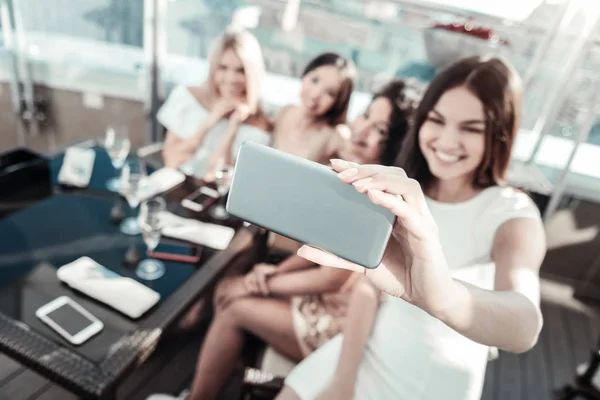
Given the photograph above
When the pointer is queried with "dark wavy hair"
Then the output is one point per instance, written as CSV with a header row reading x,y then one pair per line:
x,y
339,110
400,118
498,87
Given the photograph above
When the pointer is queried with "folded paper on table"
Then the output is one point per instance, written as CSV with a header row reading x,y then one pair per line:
x,y
77,167
159,182
121,293
210,235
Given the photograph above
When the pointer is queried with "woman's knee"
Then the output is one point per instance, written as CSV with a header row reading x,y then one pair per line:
x,y
234,312
221,289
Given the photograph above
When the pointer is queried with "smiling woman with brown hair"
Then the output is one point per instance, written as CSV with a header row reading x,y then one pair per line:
x,y
462,264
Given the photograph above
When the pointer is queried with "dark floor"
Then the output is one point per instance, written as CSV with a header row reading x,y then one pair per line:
x,y
566,340
570,330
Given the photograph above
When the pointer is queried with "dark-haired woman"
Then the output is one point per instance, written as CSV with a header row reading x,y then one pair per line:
x,y
462,264
308,130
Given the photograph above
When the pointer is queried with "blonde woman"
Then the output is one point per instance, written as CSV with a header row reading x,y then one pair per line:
x,y
206,124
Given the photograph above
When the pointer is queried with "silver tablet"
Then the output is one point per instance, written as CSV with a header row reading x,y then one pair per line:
x,y
307,202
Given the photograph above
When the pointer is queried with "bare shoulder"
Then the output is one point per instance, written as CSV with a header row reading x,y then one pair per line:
x,y
285,113
284,119
519,227
520,241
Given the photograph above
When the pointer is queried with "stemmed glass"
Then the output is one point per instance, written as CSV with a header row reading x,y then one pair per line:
x,y
149,221
118,145
223,174
132,175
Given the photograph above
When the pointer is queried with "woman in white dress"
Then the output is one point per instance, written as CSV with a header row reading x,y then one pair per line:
x,y
206,124
462,264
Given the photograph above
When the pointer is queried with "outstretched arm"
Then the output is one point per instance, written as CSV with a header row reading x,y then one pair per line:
x,y
508,317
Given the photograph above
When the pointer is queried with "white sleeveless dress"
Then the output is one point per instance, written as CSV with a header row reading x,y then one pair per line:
x,y
411,355
182,115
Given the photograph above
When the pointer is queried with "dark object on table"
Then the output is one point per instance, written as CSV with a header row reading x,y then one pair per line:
x,y
24,178
448,43
117,215
132,257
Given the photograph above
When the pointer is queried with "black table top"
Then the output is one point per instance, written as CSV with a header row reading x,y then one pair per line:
x,y
60,228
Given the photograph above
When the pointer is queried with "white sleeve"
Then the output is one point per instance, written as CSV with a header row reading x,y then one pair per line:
x,y
181,114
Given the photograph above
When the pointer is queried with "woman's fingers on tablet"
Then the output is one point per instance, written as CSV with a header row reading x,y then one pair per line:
x,y
340,165
356,172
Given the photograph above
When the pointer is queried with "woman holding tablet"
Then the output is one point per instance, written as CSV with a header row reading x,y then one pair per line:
x,y
462,264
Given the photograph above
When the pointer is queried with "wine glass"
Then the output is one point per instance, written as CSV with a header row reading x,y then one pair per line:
x,y
223,174
132,175
117,145
149,221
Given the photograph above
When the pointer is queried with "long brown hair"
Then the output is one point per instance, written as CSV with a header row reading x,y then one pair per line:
x,y
498,87
400,117
339,110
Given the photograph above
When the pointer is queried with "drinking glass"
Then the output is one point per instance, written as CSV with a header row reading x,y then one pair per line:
x,y
149,221
223,174
117,145
132,175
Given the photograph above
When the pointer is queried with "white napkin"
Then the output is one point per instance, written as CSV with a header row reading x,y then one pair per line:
x,y
123,294
160,181
202,233
77,167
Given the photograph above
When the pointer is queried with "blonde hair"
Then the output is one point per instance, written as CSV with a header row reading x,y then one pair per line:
x,y
247,48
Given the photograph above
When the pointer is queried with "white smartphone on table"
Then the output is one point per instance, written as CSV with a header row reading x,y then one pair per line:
x,y
70,320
